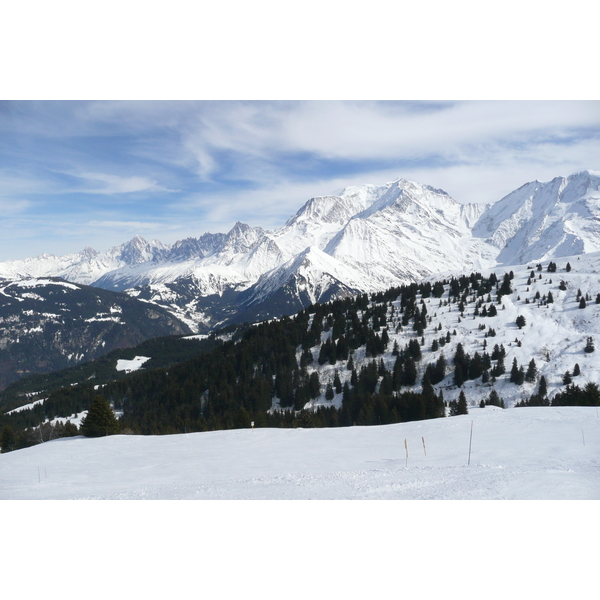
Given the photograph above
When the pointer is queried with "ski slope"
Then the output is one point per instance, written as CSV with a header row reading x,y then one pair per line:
x,y
516,454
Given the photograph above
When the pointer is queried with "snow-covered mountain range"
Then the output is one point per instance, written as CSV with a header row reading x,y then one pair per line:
x,y
366,239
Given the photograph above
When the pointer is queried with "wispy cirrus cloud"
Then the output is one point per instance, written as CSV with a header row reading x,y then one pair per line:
x,y
132,226
261,135
103,183
12,206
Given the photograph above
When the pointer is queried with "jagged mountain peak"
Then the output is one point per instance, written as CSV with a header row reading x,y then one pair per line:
x,y
364,236
88,253
186,249
542,220
406,196
136,251
325,209
582,185
242,237
195,248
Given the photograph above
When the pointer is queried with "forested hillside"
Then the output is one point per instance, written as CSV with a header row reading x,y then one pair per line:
x,y
413,352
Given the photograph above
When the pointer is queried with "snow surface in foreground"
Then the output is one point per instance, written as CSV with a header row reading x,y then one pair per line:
x,y
520,453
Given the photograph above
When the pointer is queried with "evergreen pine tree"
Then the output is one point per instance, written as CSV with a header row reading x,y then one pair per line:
x,y
514,372
100,419
531,371
462,404
314,385
505,288
350,364
8,439
337,384
590,394
589,346
493,399
409,373
329,391
385,338
353,378
499,368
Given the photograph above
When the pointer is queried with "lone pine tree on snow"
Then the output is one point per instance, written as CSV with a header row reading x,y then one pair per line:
x,y
100,419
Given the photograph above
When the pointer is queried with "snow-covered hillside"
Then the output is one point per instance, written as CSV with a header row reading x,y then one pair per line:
x,y
554,335
522,453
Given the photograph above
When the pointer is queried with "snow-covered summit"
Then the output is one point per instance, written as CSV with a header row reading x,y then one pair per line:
x,y
540,221
138,251
382,235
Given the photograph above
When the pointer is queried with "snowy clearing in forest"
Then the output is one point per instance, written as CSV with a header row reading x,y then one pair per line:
x,y
131,365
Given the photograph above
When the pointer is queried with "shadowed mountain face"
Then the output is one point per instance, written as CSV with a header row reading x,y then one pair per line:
x,y
51,324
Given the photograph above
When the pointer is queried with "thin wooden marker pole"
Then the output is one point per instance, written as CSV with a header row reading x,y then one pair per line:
x,y
406,447
424,449
470,439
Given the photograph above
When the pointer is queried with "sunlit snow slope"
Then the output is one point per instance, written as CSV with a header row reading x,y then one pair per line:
x,y
521,453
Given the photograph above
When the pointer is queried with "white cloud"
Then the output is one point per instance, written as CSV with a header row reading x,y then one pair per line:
x,y
14,206
115,184
373,131
134,226
15,184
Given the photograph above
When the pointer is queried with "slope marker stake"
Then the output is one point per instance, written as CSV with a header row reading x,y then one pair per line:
x,y
470,439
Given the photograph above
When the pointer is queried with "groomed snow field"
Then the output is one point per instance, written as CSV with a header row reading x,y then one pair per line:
x,y
490,454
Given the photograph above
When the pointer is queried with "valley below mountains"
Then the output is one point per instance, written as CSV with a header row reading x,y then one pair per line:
x,y
50,324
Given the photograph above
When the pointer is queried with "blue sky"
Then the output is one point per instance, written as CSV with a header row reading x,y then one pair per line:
x,y
79,173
